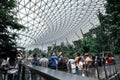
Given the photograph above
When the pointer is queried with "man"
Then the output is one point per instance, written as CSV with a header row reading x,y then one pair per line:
x,y
53,61
44,61
34,62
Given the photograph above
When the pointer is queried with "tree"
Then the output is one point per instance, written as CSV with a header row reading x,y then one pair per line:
x,y
8,23
111,23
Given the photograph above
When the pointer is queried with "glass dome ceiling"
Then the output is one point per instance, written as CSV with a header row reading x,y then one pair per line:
x,y
50,21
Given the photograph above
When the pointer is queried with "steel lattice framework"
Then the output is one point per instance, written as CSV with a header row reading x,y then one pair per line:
x,y
48,21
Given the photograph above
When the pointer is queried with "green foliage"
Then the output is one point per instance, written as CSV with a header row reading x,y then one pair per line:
x,y
37,51
8,20
111,22
66,49
107,34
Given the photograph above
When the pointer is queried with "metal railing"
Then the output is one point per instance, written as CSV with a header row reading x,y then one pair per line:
x,y
28,71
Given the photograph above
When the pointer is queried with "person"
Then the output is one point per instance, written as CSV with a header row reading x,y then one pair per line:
x,y
71,65
80,66
44,61
87,63
3,61
88,60
20,56
97,61
53,61
34,62
9,64
110,60
13,68
76,62
3,65
62,63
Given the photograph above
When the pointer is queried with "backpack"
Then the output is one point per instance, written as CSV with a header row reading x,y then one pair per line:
x,y
62,64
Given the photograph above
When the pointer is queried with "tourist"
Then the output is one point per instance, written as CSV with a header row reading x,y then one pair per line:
x,y
71,65
80,66
34,62
76,62
44,61
53,61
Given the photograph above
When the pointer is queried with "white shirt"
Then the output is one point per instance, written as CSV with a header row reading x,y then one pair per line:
x,y
72,63
80,65
44,62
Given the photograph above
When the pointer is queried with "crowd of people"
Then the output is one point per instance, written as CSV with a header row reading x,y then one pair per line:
x,y
75,65
57,61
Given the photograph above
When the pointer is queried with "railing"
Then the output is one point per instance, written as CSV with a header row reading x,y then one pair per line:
x,y
48,74
27,71
8,73
104,72
107,72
